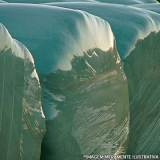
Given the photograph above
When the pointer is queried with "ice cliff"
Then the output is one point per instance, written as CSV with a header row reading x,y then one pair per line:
x,y
84,88
137,33
22,123
45,1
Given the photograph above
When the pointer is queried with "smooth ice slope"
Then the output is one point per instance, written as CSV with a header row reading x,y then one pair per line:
x,y
152,7
84,89
45,1
129,24
138,38
126,2
22,123
143,77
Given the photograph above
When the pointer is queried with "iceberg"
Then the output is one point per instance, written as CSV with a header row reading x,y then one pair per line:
x,y
137,33
22,122
84,88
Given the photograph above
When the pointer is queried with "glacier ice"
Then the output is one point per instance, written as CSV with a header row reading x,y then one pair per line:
x,y
22,123
126,2
137,33
84,88
68,41
152,7
138,23
143,79
45,1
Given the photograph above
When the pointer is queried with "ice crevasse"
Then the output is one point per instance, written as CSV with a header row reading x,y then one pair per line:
x,y
22,122
84,88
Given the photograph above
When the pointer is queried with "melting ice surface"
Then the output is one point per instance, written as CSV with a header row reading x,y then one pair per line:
x,y
84,88
22,123
137,33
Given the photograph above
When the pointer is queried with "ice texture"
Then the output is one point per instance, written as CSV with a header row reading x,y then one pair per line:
x,y
45,1
129,24
22,123
63,39
84,88
137,33
143,79
126,2
152,7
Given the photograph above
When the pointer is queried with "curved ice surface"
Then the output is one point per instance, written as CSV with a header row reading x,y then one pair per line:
x,y
138,23
46,38
149,1
152,7
124,2
84,89
138,28
45,1
127,2
2,2
142,70
22,123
